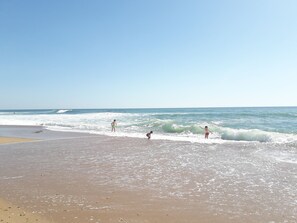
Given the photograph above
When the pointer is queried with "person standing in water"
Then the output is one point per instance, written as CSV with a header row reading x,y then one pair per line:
x,y
148,135
113,125
206,132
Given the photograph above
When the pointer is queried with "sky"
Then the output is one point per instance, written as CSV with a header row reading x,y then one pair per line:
x,y
147,54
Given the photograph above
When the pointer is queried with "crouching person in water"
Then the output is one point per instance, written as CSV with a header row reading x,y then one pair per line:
x,y
206,132
148,135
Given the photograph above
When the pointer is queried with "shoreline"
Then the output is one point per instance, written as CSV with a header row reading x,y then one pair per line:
x,y
40,132
74,177
51,133
241,136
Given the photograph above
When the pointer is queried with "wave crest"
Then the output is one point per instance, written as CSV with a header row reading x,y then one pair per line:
x,y
61,111
246,135
175,128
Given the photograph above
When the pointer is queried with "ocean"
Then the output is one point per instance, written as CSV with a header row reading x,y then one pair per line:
x,y
261,124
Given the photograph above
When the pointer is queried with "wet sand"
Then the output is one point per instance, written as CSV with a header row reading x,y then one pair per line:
x,y
79,178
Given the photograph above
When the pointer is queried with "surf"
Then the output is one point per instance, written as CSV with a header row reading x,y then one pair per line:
x,y
227,125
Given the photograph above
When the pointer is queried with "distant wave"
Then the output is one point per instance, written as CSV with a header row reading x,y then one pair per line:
x,y
28,112
62,111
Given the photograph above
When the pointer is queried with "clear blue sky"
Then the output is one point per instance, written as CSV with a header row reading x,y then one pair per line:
x,y
155,53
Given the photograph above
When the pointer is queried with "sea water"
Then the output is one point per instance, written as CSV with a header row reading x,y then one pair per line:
x,y
266,124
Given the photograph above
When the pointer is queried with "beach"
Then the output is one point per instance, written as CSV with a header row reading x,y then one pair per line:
x,y
12,213
4,140
148,111
78,177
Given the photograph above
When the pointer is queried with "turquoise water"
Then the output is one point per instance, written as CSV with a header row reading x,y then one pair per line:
x,y
270,124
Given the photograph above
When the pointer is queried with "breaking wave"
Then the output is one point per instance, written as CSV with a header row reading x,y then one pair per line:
x,y
62,111
224,133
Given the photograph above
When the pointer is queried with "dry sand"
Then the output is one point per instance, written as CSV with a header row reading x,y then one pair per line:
x,y
4,140
14,214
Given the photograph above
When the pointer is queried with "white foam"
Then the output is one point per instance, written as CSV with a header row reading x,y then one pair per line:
x,y
11,178
286,158
193,139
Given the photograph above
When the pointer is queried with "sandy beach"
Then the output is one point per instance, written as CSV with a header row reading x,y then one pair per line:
x,y
69,177
12,213
4,140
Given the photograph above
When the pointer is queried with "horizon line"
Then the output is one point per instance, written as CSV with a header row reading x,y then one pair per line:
x,y
117,108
